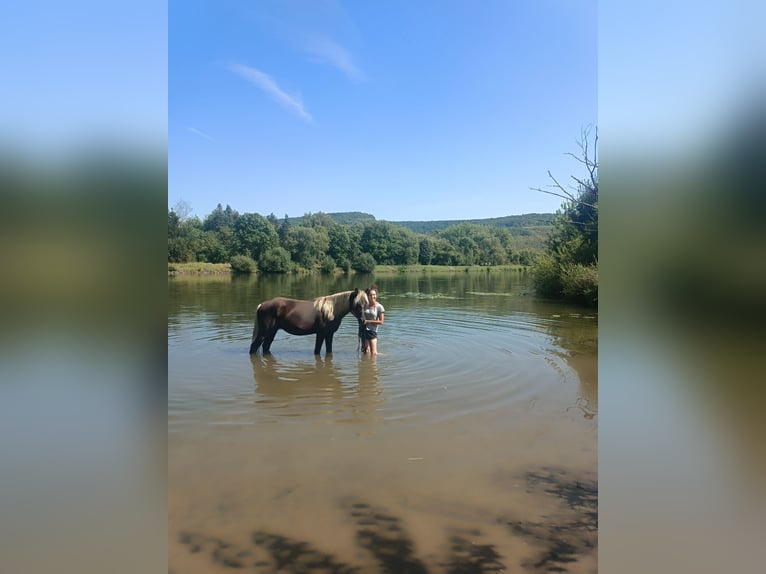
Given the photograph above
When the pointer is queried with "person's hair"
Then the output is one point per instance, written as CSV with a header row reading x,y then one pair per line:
x,y
371,288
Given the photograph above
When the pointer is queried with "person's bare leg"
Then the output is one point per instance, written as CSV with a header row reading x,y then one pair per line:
x,y
373,346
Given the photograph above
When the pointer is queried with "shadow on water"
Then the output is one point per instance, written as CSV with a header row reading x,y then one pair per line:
x,y
547,522
555,543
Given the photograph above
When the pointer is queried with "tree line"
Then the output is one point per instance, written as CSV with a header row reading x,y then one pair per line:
x,y
252,241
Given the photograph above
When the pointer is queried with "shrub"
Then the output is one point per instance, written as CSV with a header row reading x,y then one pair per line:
x,y
545,276
243,264
364,263
345,264
580,283
275,260
327,265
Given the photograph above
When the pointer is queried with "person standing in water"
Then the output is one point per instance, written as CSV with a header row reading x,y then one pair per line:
x,y
372,318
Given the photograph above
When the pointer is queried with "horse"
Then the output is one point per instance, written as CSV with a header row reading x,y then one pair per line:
x,y
298,317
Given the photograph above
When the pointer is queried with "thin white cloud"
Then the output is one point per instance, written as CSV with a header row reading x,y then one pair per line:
x,y
268,85
200,133
328,51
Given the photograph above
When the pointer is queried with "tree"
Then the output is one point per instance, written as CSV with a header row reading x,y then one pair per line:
x,y
254,235
183,238
319,219
426,249
307,245
343,244
364,263
389,244
220,219
569,267
183,209
473,244
275,260
444,252
220,223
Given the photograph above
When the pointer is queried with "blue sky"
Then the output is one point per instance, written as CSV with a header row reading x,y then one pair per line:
x,y
405,110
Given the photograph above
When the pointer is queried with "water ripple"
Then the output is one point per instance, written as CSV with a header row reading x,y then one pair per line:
x,y
436,363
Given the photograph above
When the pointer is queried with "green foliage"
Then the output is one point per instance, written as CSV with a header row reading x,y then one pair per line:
x,y
344,242
389,244
569,268
575,235
243,264
445,253
579,283
318,219
345,237
327,265
185,238
364,263
210,248
275,260
343,218
546,276
478,244
254,235
426,250
307,246
509,222
220,218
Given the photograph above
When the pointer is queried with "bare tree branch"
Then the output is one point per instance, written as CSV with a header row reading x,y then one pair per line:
x,y
591,165
564,196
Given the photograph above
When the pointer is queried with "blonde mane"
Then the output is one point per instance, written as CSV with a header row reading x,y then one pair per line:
x,y
329,304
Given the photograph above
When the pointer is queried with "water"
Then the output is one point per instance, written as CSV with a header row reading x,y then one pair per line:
x,y
467,445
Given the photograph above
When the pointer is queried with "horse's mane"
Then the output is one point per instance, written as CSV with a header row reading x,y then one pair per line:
x,y
327,305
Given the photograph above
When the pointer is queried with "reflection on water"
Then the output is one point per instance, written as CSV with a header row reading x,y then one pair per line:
x,y
467,445
316,387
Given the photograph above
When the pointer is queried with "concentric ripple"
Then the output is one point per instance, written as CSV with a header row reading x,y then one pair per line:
x,y
441,360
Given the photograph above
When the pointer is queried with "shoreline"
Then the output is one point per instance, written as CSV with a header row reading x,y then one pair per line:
x,y
175,269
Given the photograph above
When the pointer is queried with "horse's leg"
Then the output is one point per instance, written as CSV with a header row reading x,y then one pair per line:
x,y
269,339
328,343
255,344
257,335
319,341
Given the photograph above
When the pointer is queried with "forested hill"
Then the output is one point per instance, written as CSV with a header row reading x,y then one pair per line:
x,y
512,222
509,221
344,218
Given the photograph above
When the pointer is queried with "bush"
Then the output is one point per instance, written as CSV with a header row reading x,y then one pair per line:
x,y
580,283
327,265
345,264
545,276
364,263
275,260
243,264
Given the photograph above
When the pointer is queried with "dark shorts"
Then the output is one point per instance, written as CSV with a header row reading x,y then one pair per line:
x,y
367,334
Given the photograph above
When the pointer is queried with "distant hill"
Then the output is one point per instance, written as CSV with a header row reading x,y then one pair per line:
x,y
514,223
529,230
344,218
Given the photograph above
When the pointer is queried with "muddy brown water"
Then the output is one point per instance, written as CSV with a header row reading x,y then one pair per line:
x,y
468,445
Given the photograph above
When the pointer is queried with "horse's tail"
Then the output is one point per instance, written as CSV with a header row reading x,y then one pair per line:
x,y
256,328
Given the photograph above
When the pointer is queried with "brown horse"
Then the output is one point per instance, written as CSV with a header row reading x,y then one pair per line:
x,y
321,316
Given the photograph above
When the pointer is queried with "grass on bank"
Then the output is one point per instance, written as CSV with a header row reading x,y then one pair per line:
x,y
225,268
198,268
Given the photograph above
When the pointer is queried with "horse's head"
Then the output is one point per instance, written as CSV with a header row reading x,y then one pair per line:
x,y
358,301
